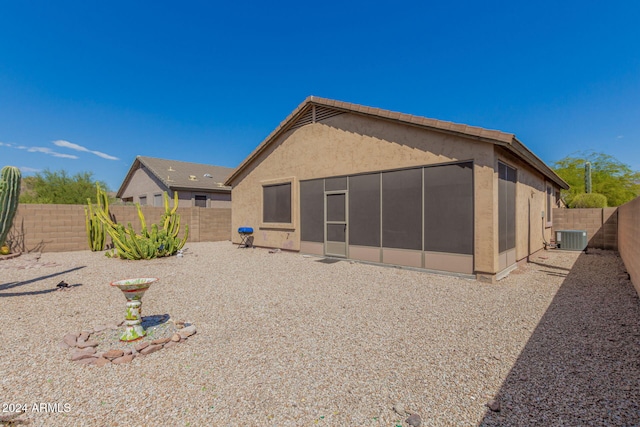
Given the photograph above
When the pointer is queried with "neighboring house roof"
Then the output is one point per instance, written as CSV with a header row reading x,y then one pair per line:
x,y
177,175
303,115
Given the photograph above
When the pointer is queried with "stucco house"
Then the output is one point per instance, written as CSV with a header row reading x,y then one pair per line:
x,y
197,184
345,180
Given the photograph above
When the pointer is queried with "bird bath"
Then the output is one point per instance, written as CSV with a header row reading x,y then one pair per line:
x,y
133,290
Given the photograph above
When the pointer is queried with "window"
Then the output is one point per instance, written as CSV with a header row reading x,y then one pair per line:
x,y
142,200
276,203
549,204
157,200
507,179
200,201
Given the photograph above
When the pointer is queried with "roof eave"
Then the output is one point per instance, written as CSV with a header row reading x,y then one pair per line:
x,y
522,151
494,137
206,190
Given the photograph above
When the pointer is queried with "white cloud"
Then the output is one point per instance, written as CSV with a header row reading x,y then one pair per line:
x,y
4,144
72,146
50,152
27,169
620,137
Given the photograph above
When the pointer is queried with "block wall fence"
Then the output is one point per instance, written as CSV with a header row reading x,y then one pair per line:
x,y
629,239
601,225
608,228
61,228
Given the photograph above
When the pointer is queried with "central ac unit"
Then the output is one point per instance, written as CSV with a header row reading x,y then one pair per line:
x,y
571,240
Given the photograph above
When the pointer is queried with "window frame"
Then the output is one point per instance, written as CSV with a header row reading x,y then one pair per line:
x,y
140,200
195,200
549,202
292,181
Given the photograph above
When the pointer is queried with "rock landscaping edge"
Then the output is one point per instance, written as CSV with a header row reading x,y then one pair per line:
x,y
83,348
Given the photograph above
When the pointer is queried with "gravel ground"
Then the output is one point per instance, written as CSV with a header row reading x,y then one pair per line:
x,y
285,340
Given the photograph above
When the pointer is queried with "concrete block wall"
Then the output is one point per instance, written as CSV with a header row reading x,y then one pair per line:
x,y
601,225
629,239
61,228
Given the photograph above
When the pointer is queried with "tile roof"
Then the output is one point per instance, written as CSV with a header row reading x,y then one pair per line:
x,y
178,175
507,140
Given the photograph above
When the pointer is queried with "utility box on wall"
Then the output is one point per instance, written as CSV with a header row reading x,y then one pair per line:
x,y
571,240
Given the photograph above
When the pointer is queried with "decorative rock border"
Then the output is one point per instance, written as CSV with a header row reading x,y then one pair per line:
x,y
85,345
10,256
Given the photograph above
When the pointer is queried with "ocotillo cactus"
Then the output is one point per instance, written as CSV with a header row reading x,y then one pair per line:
x,y
10,178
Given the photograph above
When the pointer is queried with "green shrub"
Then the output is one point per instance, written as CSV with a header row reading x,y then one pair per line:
x,y
589,200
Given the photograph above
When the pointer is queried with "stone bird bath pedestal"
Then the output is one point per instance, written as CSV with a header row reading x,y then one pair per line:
x,y
133,290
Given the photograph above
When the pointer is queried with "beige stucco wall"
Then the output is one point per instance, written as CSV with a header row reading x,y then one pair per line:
x,y
144,183
350,144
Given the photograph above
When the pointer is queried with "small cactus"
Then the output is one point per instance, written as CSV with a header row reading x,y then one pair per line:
x,y
10,178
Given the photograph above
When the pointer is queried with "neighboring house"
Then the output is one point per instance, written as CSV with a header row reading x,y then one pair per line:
x,y
196,184
345,180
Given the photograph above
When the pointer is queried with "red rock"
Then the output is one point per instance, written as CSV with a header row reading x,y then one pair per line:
x,y
113,354
84,336
188,331
175,338
124,359
102,361
161,341
170,344
151,349
141,346
87,361
88,350
87,344
70,340
81,355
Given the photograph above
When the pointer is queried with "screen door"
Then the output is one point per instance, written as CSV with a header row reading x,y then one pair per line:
x,y
335,229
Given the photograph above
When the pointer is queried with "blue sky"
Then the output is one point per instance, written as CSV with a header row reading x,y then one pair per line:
x,y
87,86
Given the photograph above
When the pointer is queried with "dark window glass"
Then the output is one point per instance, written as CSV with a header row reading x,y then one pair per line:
x,y
201,201
506,207
333,184
312,210
276,203
448,208
549,205
336,206
364,210
402,209
142,200
336,233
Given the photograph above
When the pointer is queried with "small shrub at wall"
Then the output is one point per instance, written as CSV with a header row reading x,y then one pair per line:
x,y
589,200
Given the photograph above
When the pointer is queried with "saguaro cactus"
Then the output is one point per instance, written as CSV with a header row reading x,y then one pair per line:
x,y
10,178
